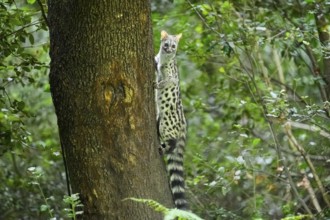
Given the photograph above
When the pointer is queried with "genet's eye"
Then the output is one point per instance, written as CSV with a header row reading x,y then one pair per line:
x,y
166,45
173,46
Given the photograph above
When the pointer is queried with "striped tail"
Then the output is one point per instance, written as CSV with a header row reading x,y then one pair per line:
x,y
175,169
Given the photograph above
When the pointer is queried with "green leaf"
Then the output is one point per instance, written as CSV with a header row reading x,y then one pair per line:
x,y
181,214
44,208
255,141
169,213
151,203
31,1
20,105
31,39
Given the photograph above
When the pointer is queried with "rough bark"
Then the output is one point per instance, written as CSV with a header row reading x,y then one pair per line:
x,y
101,83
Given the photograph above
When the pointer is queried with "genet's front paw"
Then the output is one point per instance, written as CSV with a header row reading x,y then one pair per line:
x,y
161,149
155,85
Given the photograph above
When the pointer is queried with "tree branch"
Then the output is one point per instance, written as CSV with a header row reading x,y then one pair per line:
x,y
43,12
307,185
312,128
288,131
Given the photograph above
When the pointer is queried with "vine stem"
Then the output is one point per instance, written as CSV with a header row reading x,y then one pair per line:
x,y
45,199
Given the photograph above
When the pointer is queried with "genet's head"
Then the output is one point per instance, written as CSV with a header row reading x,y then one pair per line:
x,y
169,43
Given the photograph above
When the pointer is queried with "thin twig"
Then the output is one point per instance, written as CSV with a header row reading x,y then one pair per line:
x,y
276,35
264,70
278,65
43,12
20,29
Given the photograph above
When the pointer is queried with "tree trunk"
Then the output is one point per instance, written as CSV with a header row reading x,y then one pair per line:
x,y
101,83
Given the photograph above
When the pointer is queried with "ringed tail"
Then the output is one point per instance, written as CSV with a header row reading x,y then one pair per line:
x,y
176,173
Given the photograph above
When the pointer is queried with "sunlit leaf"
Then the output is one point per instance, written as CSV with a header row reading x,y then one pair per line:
x,y
31,1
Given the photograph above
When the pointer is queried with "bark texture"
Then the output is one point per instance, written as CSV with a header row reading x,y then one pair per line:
x,y
101,83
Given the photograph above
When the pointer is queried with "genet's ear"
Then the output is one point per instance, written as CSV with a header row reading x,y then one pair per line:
x,y
178,36
163,35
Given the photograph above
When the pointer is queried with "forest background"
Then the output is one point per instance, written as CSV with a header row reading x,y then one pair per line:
x,y
255,81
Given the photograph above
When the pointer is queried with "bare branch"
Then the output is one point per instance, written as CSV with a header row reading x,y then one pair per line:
x,y
307,185
312,128
43,12
288,131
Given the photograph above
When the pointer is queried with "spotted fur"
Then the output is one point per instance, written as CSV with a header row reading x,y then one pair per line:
x,y
170,117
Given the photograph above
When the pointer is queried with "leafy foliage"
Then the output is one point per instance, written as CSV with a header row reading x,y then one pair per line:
x,y
32,179
169,214
74,202
248,68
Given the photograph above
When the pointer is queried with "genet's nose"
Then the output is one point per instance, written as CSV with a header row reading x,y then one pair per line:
x,y
168,50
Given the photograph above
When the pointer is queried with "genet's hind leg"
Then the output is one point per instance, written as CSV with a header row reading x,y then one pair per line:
x,y
161,149
170,146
